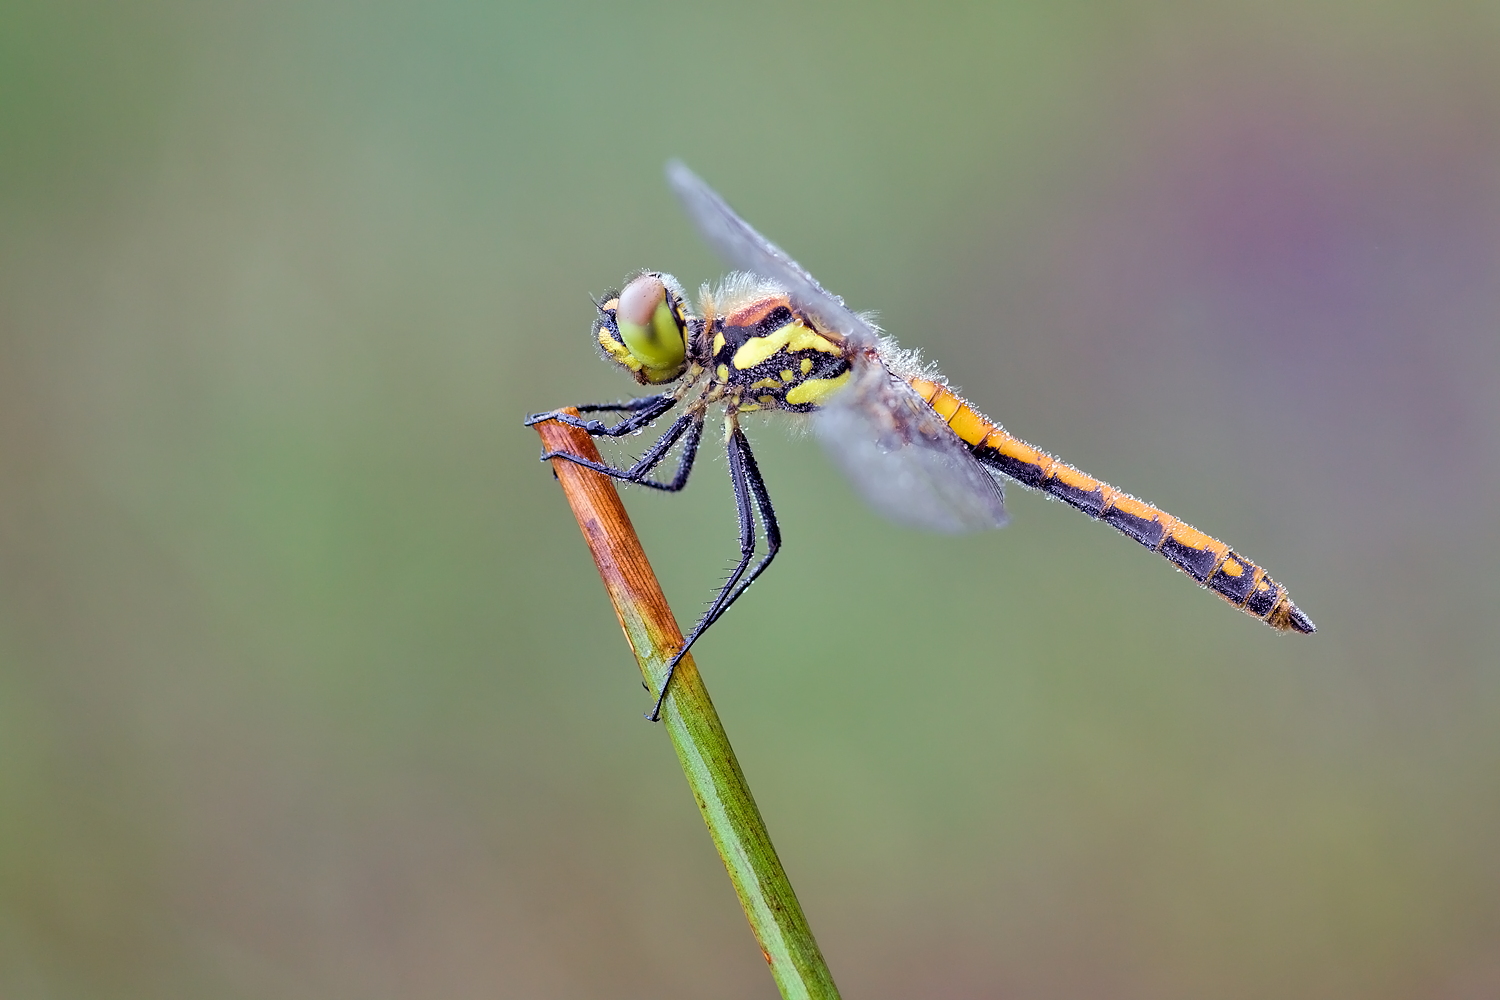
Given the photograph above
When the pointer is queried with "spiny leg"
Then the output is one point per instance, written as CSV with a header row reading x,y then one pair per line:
x,y
767,520
684,463
749,494
690,423
642,410
625,406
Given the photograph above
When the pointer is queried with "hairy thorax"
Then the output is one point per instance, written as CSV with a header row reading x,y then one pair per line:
x,y
765,357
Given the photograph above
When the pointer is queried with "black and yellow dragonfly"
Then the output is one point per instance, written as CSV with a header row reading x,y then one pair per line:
x,y
770,338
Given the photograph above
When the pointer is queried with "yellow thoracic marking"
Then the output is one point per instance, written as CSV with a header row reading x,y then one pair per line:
x,y
748,407
718,342
766,383
767,399
793,336
723,373
807,340
806,365
788,376
815,390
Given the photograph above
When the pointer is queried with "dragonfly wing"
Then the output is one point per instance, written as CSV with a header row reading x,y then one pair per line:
x,y
904,459
741,246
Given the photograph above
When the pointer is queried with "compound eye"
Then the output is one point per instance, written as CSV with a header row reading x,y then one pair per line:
x,y
648,325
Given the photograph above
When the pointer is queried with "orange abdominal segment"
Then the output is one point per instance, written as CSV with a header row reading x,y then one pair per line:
x,y
1207,560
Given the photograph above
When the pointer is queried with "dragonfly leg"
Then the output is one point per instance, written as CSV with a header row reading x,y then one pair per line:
x,y
642,411
689,424
685,463
750,496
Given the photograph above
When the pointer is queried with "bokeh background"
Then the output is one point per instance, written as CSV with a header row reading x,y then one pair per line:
x,y
308,687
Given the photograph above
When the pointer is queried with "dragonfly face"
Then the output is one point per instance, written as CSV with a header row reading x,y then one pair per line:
x,y
644,328
771,338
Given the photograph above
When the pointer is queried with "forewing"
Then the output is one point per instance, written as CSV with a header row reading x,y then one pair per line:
x,y
904,459
744,248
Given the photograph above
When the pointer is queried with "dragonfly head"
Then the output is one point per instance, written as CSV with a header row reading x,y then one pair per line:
x,y
644,328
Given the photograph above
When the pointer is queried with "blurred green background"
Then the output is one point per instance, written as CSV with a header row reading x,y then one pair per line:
x,y
308,687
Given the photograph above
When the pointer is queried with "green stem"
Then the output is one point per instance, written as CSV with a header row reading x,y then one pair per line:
x,y
689,718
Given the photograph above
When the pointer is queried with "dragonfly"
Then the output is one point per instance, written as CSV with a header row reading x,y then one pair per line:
x,y
770,339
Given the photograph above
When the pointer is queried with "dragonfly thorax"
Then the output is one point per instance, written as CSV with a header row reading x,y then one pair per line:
x,y
766,356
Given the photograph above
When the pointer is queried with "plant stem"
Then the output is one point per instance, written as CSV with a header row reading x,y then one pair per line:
x,y
707,759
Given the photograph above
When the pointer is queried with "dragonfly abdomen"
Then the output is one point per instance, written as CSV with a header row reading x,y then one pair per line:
x,y
1210,562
